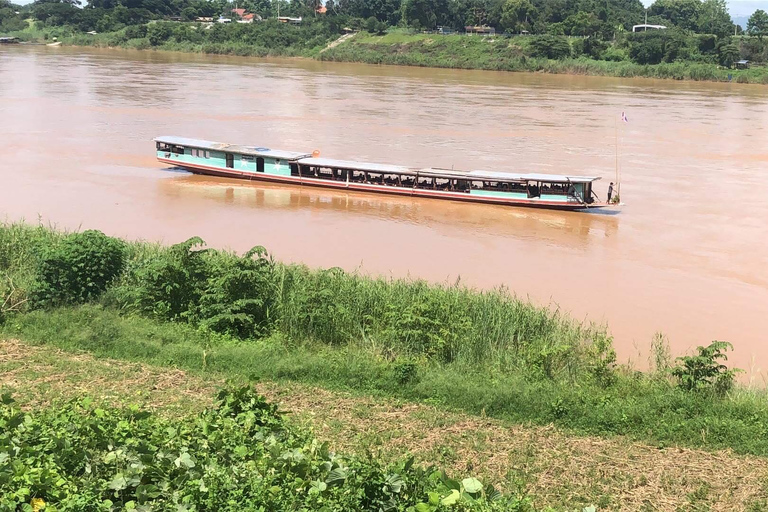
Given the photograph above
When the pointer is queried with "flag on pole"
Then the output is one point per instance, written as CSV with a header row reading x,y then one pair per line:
x,y
624,117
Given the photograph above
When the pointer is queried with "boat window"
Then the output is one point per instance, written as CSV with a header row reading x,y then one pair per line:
x,y
230,159
179,150
259,164
207,154
424,183
294,168
461,185
477,184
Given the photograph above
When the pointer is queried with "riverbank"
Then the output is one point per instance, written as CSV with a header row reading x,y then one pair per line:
x,y
511,54
553,468
486,353
402,49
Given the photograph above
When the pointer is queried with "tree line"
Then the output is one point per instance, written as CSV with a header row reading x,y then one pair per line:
x,y
697,30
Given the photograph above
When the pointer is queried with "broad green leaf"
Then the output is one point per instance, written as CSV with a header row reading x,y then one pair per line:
x,y
186,460
118,483
423,507
472,485
452,498
338,475
395,482
449,483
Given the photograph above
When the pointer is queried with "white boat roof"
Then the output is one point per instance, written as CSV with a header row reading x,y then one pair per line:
x,y
307,159
357,166
510,176
232,148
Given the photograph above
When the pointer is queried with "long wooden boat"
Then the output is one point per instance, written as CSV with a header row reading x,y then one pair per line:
x,y
259,163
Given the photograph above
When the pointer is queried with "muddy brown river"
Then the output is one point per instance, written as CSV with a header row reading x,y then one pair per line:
x,y
687,255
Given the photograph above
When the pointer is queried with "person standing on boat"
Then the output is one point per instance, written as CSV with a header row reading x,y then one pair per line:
x,y
610,191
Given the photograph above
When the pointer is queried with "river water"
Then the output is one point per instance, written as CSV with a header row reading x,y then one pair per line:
x,y
687,255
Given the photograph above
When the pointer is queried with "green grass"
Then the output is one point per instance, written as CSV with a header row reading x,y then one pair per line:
x,y
510,54
482,352
635,405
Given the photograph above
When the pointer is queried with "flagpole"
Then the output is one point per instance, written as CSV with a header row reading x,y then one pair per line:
x,y
616,129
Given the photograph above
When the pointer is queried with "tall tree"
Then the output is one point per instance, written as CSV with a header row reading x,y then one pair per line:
x,y
680,13
757,25
426,14
714,18
517,15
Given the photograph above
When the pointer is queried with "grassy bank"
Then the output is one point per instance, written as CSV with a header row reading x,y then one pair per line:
x,y
511,54
633,405
555,469
484,353
395,48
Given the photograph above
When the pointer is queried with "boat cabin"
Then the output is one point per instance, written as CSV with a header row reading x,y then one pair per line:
x,y
242,159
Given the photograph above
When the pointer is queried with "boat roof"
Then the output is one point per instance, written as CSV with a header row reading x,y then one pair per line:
x,y
233,148
356,166
510,176
307,159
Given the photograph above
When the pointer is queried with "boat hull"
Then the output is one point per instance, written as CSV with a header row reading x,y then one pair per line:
x,y
381,189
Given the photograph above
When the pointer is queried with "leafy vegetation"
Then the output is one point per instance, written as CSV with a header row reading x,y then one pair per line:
x,y
77,269
239,455
483,352
704,371
585,37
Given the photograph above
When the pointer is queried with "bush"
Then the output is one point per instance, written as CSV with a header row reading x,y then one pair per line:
x,y
550,47
589,47
78,269
165,285
238,295
136,31
704,371
615,54
158,33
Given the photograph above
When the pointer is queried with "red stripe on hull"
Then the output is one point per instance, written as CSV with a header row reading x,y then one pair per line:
x,y
381,189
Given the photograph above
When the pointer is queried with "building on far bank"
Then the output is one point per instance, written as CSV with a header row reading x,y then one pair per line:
x,y
292,21
480,29
645,27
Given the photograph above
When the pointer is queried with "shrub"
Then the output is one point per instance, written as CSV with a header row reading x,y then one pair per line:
x,y
704,371
614,54
78,269
158,33
238,295
136,31
550,47
167,284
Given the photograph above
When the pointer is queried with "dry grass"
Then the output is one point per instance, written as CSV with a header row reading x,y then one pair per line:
x,y
37,376
557,468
